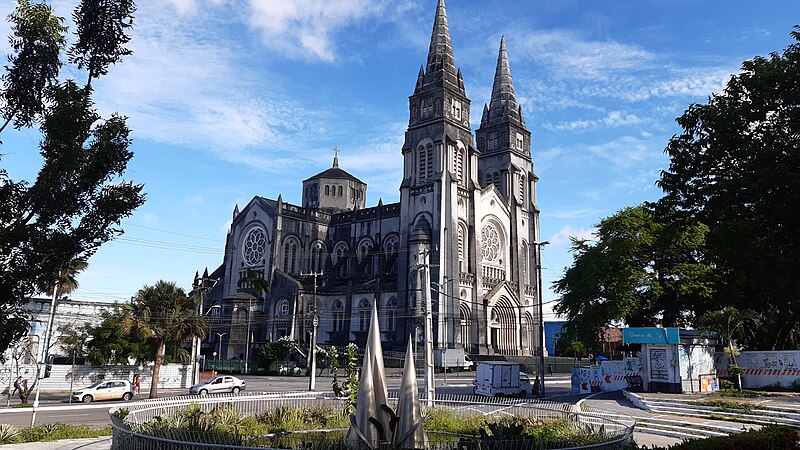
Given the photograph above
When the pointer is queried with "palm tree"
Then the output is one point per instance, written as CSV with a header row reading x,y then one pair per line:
x,y
577,349
164,314
728,323
67,279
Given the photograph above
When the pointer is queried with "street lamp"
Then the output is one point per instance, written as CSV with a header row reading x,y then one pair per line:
x,y
200,286
219,337
441,288
539,246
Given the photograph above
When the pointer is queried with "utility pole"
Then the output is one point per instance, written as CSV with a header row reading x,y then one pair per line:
x,y
201,286
423,275
45,350
539,246
312,381
247,338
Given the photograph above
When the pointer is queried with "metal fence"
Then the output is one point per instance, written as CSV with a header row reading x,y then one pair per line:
x,y
600,430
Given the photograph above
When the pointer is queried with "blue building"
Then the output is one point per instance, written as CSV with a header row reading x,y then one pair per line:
x,y
552,332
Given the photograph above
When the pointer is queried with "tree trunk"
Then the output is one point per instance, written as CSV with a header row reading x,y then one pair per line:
x,y
156,369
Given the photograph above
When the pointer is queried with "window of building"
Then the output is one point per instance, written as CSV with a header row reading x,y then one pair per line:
x,y
491,243
364,252
459,164
290,249
340,191
456,109
317,257
254,245
338,316
391,315
363,314
461,248
520,142
327,190
282,307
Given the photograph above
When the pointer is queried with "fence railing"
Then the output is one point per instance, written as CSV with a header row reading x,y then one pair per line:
x,y
614,430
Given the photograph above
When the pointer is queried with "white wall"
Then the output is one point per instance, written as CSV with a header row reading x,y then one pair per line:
x,y
764,368
171,376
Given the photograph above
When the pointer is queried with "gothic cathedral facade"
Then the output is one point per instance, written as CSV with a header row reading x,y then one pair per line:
x,y
465,233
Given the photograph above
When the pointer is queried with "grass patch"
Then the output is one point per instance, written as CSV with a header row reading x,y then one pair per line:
x,y
56,431
773,437
745,393
726,404
23,405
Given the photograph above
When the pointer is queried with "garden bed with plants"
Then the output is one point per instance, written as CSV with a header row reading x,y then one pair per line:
x,y
324,427
10,434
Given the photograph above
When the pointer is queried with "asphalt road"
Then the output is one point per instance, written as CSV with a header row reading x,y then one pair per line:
x,y
55,407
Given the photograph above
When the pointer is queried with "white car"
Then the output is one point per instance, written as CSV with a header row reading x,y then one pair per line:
x,y
104,390
218,384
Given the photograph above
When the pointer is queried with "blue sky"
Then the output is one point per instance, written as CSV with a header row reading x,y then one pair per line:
x,y
231,99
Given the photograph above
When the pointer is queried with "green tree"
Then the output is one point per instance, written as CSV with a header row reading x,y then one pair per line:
x,y
79,197
639,270
735,168
107,343
73,339
163,314
67,279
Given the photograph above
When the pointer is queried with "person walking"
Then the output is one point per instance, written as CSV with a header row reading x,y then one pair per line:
x,y
137,384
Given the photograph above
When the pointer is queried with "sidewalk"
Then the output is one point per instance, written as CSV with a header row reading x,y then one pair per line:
x,y
102,443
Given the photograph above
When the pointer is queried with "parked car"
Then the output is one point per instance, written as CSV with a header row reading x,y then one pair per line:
x,y
218,384
104,390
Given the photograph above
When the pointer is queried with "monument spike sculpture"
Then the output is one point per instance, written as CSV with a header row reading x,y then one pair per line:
x,y
373,421
408,433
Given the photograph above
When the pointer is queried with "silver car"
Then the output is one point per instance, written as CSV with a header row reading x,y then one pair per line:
x,y
104,390
218,384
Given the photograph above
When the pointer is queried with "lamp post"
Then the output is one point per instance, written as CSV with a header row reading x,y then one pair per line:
x,y
312,382
441,288
201,286
219,337
247,338
538,247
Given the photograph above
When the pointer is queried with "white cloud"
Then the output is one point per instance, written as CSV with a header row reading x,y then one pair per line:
x,y
571,56
225,227
612,119
305,28
566,232
627,152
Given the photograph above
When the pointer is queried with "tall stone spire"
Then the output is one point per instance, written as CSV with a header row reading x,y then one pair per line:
x,y
503,106
441,65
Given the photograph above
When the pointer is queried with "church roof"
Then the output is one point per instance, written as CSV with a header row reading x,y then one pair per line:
x,y
335,172
503,105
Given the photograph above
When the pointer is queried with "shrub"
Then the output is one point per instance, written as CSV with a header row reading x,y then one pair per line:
x,y
57,431
8,433
440,419
772,437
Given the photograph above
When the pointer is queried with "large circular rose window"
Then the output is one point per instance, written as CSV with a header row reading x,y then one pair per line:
x,y
255,243
490,243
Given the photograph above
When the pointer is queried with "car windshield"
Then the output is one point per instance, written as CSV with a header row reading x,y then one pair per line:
x,y
211,380
95,384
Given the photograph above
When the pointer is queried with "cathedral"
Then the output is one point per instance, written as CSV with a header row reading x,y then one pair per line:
x,y
464,238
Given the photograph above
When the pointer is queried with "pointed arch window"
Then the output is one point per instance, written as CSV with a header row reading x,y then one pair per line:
x,y
459,164
338,316
365,252
462,250
363,314
290,249
317,257
391,315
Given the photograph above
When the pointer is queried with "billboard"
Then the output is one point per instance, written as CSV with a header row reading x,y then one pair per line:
x,y
650,335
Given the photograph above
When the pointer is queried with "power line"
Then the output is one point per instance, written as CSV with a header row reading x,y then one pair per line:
x,y
172,232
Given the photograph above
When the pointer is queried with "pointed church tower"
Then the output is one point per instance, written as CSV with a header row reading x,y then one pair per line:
x,y
438,155
503,140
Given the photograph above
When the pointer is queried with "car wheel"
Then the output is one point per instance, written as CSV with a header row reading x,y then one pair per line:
x,y
235,390
203,392
523,394
87,399
127,396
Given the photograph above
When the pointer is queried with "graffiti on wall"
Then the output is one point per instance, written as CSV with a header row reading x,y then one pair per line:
x,y
659,369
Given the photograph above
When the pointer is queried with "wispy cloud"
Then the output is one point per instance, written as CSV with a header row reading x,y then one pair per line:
x,y
628,151
612,119
567,231
305,28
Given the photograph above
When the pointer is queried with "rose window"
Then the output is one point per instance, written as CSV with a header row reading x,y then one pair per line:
x,y
490,243
255,243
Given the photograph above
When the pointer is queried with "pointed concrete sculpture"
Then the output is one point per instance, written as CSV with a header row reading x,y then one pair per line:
x,y
373,420
409,433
